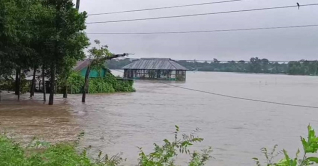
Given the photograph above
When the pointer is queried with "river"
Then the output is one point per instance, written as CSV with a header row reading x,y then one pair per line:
x,y
236,129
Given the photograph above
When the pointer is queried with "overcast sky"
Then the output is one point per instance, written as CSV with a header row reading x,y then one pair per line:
x,y
283,44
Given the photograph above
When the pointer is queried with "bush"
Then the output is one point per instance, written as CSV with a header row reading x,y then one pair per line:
x,y
44,154
310,148
109,84
166,154
8,84
75,82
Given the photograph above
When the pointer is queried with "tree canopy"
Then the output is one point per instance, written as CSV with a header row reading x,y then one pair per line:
x,y
254,65
41,33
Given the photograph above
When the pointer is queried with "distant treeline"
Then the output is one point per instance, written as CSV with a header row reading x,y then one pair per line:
x,y
255,65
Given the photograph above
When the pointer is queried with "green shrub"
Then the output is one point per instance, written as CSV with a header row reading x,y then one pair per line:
x,y
109,84
166,154
43,154
9,84
309,157
12,154
75,83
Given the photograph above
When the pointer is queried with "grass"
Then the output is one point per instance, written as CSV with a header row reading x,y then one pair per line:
x,y
43,154
39,153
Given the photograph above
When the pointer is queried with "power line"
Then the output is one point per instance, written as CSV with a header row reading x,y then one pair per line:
x,y
208,31
166,7
239,98
247,99
202,14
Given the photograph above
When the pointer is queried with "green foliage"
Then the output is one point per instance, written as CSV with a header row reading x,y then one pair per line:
x,y
109,84
11,153
43,154
37,33
39,153
75,83
100,85
8,84
255,65
303,67
311,144
310,147
98,54
165,155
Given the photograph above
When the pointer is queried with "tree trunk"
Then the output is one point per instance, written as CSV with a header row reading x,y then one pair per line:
x,y
78,4
17,71
52,81
44,84
85,87
65,92
56,54
33,83
19,84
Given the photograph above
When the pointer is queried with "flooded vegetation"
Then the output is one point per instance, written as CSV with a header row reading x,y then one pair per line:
x,y
119,123
56,83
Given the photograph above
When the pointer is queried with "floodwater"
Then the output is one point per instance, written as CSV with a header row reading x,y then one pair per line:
x,y
236,129
30,119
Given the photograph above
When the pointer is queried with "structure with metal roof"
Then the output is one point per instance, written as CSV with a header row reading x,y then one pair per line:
x,y
155,68
81,67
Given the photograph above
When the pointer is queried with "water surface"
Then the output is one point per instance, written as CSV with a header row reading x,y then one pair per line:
x,y
236,129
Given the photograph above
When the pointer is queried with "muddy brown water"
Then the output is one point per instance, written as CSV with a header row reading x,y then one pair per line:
x,y
31,119
236,129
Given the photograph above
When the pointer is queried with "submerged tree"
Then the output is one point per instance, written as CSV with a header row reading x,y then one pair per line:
x,y
68,39
40,33
97,58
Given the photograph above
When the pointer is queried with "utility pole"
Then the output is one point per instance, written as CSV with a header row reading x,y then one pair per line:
x,y
78,4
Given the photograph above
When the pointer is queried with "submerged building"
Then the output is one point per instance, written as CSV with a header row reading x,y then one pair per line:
x,y
155,68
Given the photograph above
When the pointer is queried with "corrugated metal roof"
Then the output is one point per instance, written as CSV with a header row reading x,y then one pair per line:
x,y
80,65
155,64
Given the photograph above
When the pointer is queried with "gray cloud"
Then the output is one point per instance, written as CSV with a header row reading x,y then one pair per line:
x,y
284,44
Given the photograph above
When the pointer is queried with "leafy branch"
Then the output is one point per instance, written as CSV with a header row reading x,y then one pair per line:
x,y
310,147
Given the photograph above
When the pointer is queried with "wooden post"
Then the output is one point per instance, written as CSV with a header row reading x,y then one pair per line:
x,y
52,87
65,92
17,81
44,83
78,4
85,87
33,83
19,85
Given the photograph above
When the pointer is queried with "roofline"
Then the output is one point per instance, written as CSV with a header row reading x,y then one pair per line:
x,y
176,66
156,69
